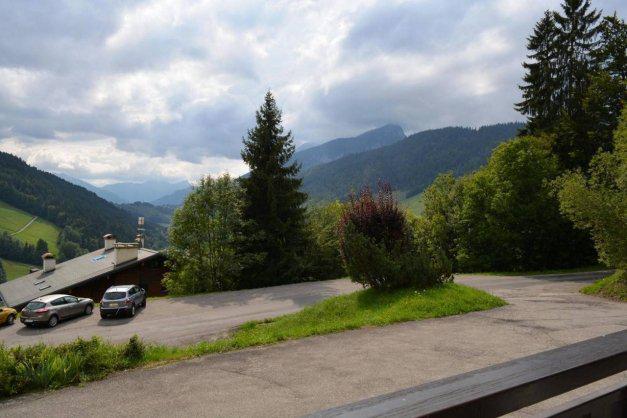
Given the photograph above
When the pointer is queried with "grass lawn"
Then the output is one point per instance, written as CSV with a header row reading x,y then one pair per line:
x,y
537,272
611,287
356,310
13,219
14,269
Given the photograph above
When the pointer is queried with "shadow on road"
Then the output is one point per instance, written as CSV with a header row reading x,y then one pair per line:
x,y
119,320
589,276
300,294
43,329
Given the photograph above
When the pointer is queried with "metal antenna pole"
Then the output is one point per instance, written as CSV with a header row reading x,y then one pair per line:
x,y
141,230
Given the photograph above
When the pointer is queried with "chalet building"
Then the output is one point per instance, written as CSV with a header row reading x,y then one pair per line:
x,y
90,274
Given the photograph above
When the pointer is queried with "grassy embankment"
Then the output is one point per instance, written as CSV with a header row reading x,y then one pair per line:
x,y
14,269
11,221
45,367
611,287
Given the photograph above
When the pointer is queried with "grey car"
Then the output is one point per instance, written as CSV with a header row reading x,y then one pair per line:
x,y
49,310
122,299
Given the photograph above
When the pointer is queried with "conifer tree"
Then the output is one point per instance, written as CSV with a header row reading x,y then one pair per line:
x,y
577,33
540,81
611,54
41,247
274,202
574,85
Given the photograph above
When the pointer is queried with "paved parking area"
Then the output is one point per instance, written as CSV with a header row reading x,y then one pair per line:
x,y
299,377
185,319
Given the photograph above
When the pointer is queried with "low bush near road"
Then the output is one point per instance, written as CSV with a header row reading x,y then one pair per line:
x,y
40,366
611,287
380,247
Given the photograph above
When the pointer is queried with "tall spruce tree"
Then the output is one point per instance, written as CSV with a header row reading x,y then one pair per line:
x,y
611,54
577,38
574,84
540,83
274,202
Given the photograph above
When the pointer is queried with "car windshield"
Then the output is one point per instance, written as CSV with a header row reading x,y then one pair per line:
x,y
35,305
114,295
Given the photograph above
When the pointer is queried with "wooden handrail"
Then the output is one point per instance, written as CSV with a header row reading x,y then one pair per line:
x,y
502,388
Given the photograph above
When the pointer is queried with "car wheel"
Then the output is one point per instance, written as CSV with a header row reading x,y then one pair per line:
x,y
103,316
132,311
89,309
10,319
144,303
53,321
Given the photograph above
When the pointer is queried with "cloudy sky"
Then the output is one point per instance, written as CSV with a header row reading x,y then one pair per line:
x,y
128,90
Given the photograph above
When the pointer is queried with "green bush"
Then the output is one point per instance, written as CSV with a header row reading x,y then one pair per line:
x,y
24,369
380,249
505,216
597,202
323,260
134,350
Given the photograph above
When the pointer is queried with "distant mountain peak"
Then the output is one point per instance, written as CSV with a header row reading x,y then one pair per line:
x,y
409,165
340,147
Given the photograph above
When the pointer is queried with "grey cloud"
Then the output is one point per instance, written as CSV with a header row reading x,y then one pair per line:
x,y
409,26
65,43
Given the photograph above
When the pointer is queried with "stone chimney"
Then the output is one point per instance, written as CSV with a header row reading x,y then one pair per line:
x,y
125,251
49,262
109,240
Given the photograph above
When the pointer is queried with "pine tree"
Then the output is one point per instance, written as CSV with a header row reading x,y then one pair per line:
x,y
3,274
274,202
577,33
41,247
540,81
567,92
611,54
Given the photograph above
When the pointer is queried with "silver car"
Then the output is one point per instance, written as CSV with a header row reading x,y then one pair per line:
x,y
49,310
122,299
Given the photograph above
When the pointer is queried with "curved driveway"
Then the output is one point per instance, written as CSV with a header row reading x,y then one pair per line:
x,y
185,319
299,377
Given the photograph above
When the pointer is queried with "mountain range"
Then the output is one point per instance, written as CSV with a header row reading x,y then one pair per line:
x,y
340,147
154,191
147,191
332,169
410,164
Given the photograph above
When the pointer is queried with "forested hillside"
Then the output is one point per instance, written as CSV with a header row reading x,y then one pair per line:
x,y
153,214
173,199
83,216
340,147
410,164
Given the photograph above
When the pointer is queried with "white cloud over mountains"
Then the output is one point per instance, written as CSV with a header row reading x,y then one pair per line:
x,y
111,91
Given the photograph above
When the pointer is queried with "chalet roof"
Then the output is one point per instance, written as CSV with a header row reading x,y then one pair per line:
x,y
66,275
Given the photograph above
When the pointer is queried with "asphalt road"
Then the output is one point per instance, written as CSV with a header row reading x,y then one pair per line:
x,y
186,319
299,377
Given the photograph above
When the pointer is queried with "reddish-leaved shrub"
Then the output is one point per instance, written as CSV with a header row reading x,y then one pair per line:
x,y
379,247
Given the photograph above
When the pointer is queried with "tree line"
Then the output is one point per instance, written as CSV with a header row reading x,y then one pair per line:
x,y
13,249
530,207
553,197
248,232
